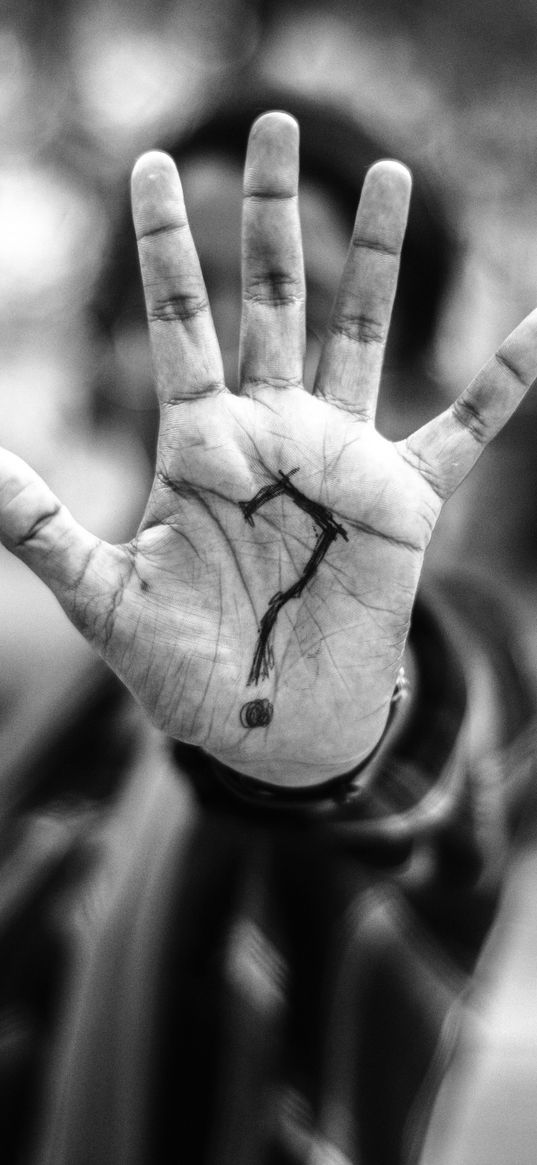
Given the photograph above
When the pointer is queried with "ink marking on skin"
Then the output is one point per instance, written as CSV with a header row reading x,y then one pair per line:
x,y
263,659
256,714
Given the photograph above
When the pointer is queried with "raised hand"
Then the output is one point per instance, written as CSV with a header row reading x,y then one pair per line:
x,y
262,609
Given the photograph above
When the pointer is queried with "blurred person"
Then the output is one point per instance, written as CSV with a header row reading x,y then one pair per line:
x,y
270,953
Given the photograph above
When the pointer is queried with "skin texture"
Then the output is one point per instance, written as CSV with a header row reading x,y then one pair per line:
x,y
176,612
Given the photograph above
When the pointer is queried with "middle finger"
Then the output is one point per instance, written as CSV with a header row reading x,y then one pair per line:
x,y
273,315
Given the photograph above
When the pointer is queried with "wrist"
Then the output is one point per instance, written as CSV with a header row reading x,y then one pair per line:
x,y
304,780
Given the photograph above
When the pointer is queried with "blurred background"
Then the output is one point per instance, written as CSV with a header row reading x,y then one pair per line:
x,y
448,87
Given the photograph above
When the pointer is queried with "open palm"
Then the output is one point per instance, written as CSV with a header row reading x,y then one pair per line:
x,y
262,609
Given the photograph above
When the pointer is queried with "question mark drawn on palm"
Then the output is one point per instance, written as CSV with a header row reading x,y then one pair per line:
x,y
258,713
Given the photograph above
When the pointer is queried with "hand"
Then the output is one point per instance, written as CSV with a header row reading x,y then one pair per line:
x,y
262,609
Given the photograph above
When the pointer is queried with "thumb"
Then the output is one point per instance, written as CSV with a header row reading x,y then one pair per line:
x,y
83,572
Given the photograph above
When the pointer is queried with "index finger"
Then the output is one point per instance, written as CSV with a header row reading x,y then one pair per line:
x,y
185,348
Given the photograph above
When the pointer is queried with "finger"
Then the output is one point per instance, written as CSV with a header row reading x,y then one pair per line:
x,y
446,448
183,340
351,360
273,315
83,572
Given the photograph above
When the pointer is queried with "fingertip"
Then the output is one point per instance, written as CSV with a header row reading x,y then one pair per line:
x,y
276,121
390,170
394,165
272,155
152,165
385,201
156,193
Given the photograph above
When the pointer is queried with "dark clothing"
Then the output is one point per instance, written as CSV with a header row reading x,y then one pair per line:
x,y
252,981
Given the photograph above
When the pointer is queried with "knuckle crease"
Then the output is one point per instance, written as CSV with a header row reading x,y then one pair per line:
x,y
359,329
360,243
472,419
35,529
511,368
177,309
